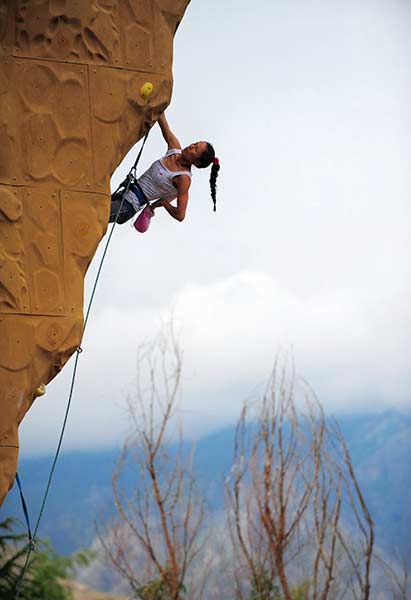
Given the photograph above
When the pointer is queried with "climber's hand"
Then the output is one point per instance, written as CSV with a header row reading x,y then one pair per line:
x,y
157,204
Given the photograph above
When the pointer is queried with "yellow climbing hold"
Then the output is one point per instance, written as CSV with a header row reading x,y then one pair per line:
x,y
146,90
40,391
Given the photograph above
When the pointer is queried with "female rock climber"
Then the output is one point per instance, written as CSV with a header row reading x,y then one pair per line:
x,y
167,179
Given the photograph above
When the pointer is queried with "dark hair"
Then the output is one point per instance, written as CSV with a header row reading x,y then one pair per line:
x,y
208,158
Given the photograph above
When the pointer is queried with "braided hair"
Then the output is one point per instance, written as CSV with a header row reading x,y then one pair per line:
x,y
208,158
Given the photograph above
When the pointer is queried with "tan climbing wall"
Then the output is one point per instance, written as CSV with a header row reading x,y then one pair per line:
x,y
70,109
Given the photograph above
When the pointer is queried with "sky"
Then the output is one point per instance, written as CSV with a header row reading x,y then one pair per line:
x,y
308,106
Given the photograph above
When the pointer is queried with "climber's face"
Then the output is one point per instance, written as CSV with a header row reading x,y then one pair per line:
x,y
193,152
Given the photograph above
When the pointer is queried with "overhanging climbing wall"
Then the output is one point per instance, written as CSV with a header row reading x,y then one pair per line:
x,y
70,109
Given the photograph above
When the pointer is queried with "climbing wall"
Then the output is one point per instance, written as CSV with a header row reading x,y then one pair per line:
x,y
70,109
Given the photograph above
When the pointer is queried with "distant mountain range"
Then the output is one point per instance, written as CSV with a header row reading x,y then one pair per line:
x,y
380,445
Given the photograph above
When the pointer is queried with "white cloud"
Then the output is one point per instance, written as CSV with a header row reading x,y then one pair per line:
x,y
350,345
347,343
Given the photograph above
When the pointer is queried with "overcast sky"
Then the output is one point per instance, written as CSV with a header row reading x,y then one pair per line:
x,y
308,106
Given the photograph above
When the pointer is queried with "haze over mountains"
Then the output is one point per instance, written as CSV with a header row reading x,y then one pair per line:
x,y
380,445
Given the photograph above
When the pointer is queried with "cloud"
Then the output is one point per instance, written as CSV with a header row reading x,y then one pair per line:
x,y
350,345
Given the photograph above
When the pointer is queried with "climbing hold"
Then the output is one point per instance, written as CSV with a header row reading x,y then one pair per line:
x,y
146,90
40,391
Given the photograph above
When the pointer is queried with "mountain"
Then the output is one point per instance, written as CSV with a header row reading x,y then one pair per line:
x,y
380,445
81,485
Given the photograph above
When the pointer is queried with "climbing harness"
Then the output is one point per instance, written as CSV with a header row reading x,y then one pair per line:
x,y
32,538
131,178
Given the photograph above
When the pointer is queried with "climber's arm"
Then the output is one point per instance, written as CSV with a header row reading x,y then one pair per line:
x,y
182,183
168,135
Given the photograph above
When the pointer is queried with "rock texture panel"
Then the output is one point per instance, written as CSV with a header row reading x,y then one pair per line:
x,y
70,109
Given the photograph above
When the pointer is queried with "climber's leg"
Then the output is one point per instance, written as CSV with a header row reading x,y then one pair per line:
x,y
126,212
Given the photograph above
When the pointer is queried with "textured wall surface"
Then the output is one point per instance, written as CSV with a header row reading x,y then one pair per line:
x,y
70,109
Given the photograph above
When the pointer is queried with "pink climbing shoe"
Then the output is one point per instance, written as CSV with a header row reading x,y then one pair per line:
x,y
142,223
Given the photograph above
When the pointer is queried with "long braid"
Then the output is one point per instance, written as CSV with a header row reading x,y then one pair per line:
x,y
209,158
213,180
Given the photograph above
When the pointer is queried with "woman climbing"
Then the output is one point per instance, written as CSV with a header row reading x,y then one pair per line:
x,y
167,179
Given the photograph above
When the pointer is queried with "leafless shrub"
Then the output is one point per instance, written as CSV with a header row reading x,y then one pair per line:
x,y
395,576
156,535
299,524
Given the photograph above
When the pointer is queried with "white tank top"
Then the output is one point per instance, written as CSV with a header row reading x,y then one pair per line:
x,y
157,181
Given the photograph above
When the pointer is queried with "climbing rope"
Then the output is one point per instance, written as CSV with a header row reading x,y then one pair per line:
x,y
32,538
25,511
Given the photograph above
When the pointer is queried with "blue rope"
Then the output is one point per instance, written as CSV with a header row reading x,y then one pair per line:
x,y
25,511
32,538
